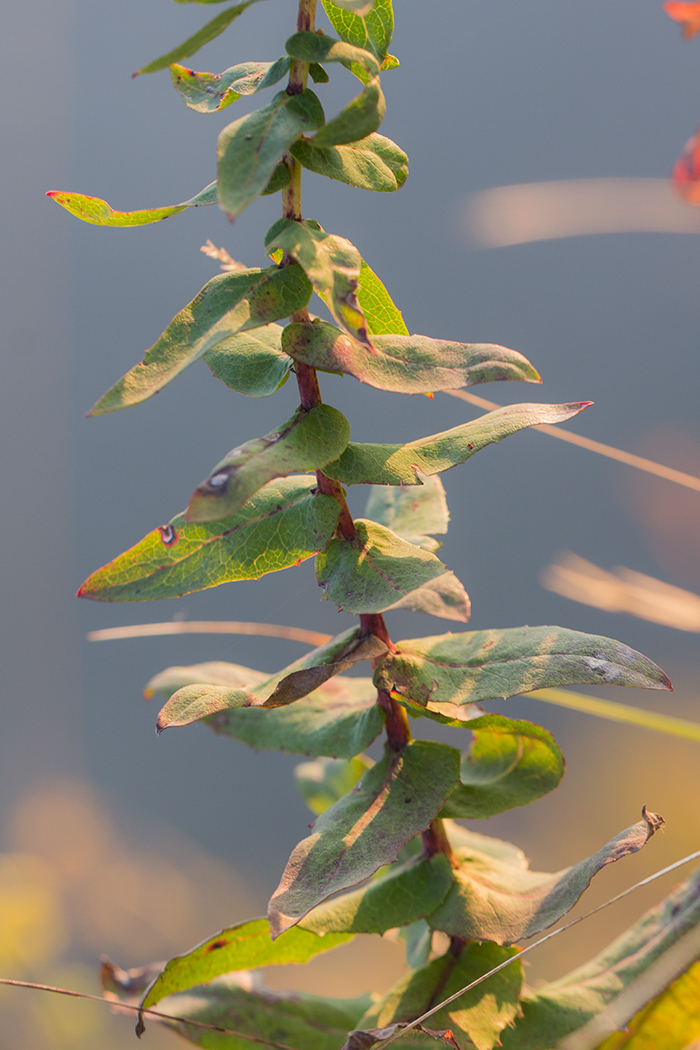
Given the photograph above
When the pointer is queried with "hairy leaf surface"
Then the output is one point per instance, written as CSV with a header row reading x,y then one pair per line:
x,y
211,92
417,365
250,148
403,464
228,304
408,892
307,441
203,36
331,263
371,33
496,901
246,946
444,596
283,524
485,665
509,763
480,1015
251,363
99,212
396,800
323,782
213,672
373,163
374,570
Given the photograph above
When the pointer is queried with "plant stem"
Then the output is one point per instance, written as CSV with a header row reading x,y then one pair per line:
x,y
435,840
398,735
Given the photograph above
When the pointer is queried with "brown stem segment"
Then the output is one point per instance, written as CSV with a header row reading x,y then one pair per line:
x,y
398,735
435,840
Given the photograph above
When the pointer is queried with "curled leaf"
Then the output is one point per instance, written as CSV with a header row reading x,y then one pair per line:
x,y
99,212
211,92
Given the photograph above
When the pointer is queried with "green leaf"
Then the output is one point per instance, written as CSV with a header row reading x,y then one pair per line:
x,y
246,946
403,464
408,892
357,120
99,212
340,719
358,7
313,48
251,147
251,363
480,1015
211,92
371,33
508,764
383,316
331,263
307,441
318,74
213,672
203,36
566,1004
374,570
418,365
418,938
228,304
366,829
324,781
280,526
414,513
496,901
373,163
485,665
444,597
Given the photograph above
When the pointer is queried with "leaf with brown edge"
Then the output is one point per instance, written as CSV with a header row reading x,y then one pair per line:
x,y
472,666
407,364
394,802
498,901
364,1039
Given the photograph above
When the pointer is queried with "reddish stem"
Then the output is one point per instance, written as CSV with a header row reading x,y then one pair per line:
x,y
435,840
398,735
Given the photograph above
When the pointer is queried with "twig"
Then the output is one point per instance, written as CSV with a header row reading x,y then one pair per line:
x,y
668,473
270,630
529,948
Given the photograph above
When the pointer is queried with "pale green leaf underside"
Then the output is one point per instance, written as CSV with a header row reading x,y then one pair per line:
x,y
411,364
324,781
251,363
398,798
373,571
281,525
497,901
203,36
228,304
484,665
211,92
99,212
373,163
250,148
306,442
245,946
509,764
403,464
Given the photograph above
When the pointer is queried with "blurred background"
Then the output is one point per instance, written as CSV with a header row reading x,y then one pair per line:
x,y
114,841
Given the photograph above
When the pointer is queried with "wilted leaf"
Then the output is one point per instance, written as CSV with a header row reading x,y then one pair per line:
x,y
403,464
307,441
283,524
360,118
340,719
509,764
251,147
203,36
411,513
397,799
371,33
417,365
685,177
480,1015
251,363
485,665
381,313
373,163
568,1003
496,901
407,893
324,781
331,263
314,48
246,946
687,13
210,92
228,304
374,570
99,212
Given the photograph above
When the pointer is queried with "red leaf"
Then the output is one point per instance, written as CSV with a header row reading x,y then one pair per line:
x,y
686,14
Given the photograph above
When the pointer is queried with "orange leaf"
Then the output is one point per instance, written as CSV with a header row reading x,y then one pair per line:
x,y
686,14
685,176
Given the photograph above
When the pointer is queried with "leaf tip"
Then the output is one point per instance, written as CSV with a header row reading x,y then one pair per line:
x,y
653,821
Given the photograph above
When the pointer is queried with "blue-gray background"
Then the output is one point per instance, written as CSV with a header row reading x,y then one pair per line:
x,y
486,95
